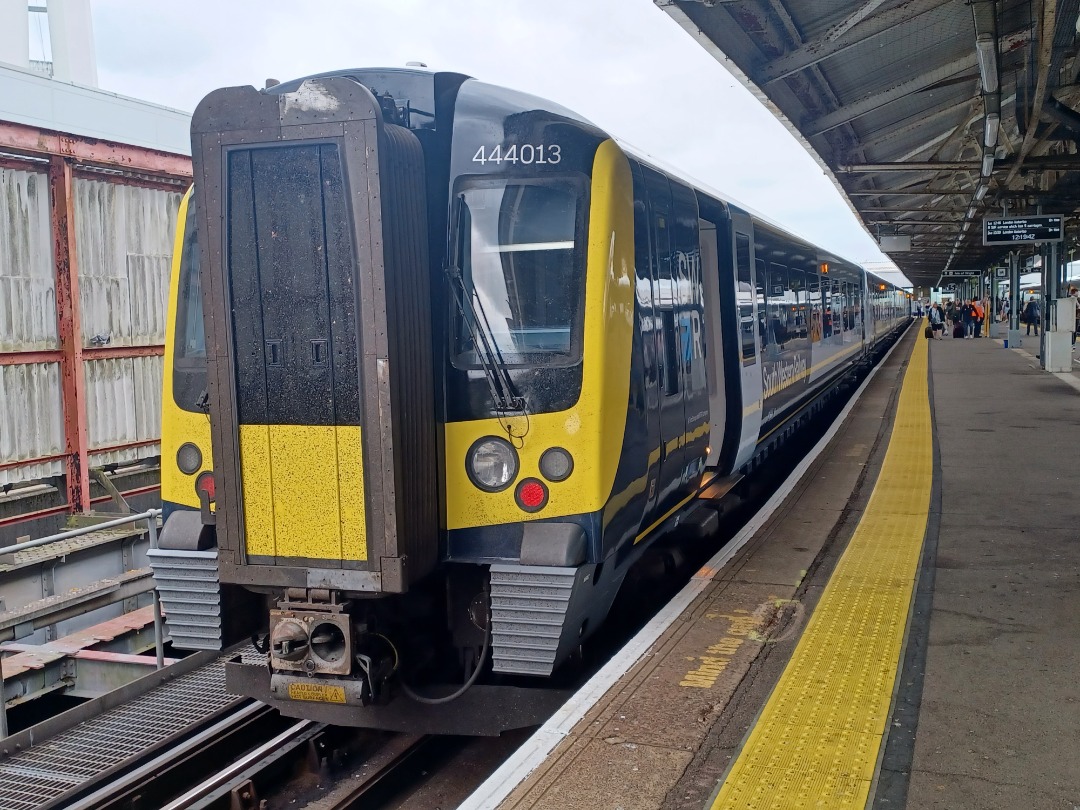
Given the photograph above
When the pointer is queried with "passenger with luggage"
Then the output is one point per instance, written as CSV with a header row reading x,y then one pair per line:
x,y
1031,315
950,314
937,322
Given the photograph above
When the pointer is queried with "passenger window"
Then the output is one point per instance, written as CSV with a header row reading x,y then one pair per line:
x,y
760,283
745,296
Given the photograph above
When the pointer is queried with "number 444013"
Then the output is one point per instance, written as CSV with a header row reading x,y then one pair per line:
x,y
525,153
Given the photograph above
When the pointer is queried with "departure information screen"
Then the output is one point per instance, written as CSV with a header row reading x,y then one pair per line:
x,y
1010,230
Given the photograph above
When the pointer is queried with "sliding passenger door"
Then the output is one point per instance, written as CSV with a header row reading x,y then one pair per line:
x,y
666,309
751,332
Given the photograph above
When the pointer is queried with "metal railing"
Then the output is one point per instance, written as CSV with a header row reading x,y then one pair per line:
x,y
150,516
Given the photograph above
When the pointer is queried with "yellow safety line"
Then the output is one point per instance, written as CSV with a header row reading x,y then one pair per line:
x,y
817,740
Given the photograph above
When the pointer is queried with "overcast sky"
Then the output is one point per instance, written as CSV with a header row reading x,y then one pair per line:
x,y
624,64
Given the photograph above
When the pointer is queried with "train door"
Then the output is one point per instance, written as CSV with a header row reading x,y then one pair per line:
x,y
666,307
689,333
645,283
714,339
750,294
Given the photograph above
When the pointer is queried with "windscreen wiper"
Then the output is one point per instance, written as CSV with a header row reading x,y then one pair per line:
x,y
487,352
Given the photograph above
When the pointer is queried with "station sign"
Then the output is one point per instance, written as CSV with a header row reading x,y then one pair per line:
x,y
1001,272
1013,230
959,273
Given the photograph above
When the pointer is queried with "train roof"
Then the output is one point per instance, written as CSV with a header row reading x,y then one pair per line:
x,y
640,155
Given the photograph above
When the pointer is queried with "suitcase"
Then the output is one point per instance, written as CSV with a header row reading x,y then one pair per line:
x,y
929,331
958,330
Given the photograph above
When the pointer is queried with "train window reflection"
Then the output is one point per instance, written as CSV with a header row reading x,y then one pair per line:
x,y
521,259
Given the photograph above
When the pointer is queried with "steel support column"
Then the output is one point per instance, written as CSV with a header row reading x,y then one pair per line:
x,y
72,378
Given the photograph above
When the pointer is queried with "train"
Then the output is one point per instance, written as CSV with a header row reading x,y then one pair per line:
x,y
443,360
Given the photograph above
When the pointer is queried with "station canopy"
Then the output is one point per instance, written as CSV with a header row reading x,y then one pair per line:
x,y
930,115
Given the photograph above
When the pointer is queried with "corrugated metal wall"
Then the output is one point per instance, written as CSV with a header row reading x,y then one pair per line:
x,y
31,417
27,278
123,240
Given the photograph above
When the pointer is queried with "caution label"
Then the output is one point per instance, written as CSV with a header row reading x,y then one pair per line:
x,y
316,692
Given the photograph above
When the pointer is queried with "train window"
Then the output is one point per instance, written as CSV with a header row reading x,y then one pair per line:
x,y
760,283
813,290
191,337
672,343
745,295
798,306
189,363
779,299
522,260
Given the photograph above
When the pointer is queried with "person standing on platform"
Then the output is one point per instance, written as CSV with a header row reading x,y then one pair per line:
x,y
979,308
1074,294
950,314
1031,315
937,321
967,317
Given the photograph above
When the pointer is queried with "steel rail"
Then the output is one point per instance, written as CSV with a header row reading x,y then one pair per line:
x,y
239,769
386,760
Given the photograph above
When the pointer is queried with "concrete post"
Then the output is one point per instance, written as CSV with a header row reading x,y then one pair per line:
x,y
15,33
71,34
1014,300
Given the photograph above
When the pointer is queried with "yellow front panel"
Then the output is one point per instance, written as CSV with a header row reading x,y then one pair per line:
x,y
592,430
351,495
303,491
257,494
303,462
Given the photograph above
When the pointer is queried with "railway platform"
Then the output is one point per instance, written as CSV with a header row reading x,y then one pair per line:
x,y
893,630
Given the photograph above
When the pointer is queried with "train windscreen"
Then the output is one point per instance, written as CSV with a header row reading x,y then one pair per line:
x,y
189,358
522,261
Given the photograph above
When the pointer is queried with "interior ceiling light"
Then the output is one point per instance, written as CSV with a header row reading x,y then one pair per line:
x,y
986,50
971,212
990,135
987,164
980,192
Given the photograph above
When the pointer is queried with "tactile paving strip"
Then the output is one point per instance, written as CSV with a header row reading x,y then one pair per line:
x,y
817,740
45,772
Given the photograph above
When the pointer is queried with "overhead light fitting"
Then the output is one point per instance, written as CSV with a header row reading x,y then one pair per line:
x,y
986,50
990,135
971,212
987,164
980,191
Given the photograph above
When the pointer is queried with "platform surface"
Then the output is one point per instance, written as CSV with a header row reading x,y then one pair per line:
x,y
992,626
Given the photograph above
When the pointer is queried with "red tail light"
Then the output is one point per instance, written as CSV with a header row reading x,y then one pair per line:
x,y
205,483
531,495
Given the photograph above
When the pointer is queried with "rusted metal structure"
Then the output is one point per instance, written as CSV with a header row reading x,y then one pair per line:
x,y
85,252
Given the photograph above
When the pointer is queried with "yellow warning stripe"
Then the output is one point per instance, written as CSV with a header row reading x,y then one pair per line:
x,y
817,740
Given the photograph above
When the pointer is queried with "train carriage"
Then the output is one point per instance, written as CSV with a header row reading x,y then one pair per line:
x,y
444,359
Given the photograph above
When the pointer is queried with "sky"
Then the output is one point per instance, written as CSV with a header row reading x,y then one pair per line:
x,y
624,64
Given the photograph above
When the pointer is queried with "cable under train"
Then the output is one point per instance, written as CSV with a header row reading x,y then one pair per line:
x,y
443,360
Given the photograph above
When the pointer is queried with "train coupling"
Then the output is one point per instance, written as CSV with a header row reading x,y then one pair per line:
x,y
318,653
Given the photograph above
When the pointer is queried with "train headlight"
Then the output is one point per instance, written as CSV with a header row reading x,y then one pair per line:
x,y
556,464
188,458
492,463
